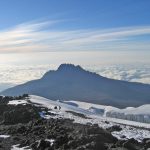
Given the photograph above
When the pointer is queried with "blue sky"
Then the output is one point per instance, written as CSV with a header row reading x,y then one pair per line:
x,y
80,13
74,25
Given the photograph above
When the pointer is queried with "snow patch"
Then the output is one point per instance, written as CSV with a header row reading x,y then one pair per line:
x,y
17,102
4,136
51,141
16,147
130,132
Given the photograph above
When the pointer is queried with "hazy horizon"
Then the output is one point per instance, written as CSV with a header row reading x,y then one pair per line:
x,y
31,66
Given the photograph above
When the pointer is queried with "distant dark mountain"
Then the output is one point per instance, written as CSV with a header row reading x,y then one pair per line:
x,y
71,82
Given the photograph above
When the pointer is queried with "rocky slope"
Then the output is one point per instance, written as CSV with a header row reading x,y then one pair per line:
x,y
23,126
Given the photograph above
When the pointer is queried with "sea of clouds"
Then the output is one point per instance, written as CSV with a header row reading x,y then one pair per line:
x,y
126,72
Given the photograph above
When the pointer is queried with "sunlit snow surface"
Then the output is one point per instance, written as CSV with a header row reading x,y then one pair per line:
x,y
130,129
4,136
16,147
16,102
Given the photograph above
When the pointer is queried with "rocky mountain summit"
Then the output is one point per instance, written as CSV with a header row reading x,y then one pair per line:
x,y
22,126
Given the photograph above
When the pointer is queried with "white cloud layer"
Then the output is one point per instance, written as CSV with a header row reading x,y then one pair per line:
x,y
44,36
127,72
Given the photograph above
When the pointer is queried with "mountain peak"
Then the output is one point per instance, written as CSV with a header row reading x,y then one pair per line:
x,y
64,67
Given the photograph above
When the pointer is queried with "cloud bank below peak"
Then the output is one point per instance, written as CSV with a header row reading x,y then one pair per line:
x,y
42,36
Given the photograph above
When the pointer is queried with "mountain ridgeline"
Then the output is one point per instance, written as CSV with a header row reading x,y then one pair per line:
x,y
70,82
